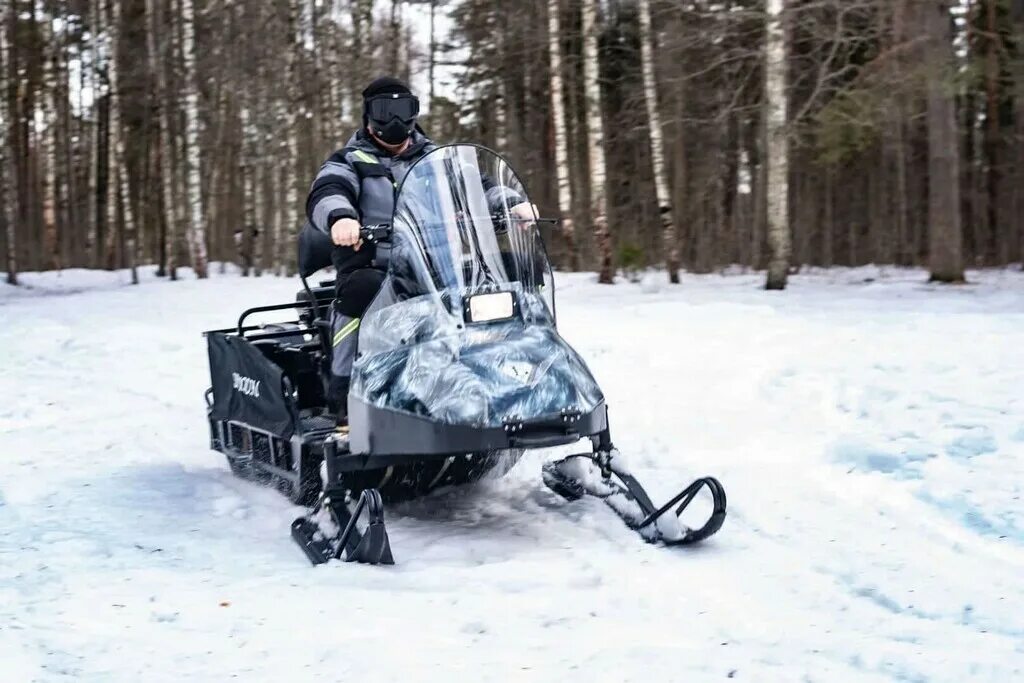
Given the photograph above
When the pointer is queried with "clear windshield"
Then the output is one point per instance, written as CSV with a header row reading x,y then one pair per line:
x,y
464,225
462,330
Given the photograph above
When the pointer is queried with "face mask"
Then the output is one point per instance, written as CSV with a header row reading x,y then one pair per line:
x,y
394,132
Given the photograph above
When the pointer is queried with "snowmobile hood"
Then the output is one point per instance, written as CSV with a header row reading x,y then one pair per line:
x,y
480,377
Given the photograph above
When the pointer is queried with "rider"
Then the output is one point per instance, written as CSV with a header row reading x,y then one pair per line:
x,y
355,187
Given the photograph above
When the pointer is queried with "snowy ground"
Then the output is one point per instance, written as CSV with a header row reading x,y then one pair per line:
x,y
868,428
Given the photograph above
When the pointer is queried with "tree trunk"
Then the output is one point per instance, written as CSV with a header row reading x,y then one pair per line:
x,y
394,38
8,172
670,243
118,175
595,140
291,202
777,145
246,240
156,64
432,57
67,142
193,171
561,144
1017,246
994,143
680,179
361,56
93,230
945,232
46,118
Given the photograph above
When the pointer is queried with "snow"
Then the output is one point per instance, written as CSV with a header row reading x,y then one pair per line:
x,y
868,428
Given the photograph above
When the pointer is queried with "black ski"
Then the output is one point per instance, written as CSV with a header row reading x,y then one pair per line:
x,y
628,498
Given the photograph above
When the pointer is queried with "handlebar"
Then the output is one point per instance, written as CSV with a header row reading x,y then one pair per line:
x,y
375,233
382,231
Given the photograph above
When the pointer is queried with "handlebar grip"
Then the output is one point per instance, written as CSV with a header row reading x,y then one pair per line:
x,y
375,233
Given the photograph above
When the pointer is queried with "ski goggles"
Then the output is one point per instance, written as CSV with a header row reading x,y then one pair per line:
x,y
384,108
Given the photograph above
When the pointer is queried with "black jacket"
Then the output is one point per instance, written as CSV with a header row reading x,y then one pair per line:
x,y
359,181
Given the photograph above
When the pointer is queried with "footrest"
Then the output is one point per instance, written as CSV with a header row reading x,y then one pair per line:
x,y
372,546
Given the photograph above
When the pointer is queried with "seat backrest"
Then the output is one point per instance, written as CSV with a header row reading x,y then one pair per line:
x,y
315,250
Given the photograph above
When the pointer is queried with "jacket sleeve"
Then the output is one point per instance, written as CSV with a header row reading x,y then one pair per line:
x,y
334,195
499,197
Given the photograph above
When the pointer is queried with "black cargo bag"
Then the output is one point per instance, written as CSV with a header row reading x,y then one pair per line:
x,y
247,387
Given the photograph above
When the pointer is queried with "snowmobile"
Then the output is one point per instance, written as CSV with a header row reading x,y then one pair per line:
x,y
460,369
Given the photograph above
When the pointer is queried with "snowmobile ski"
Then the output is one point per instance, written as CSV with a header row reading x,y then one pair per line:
x,y
574,477
346,543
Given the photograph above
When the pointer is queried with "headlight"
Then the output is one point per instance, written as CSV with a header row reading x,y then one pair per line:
x,y
482,308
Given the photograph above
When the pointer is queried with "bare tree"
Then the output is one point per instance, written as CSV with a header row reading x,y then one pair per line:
x,y
432,55
394,36
945,231
47,120
559,124
595,140
291,203
193,172
670,243
156,65
7,170
117,192
360,50
777,144
93,203
1017,15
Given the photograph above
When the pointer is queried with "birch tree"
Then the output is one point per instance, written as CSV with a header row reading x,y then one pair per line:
x,y
117,184
7,170
291,203
945,230
561,145
595,140
193,172
777,145
668,226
